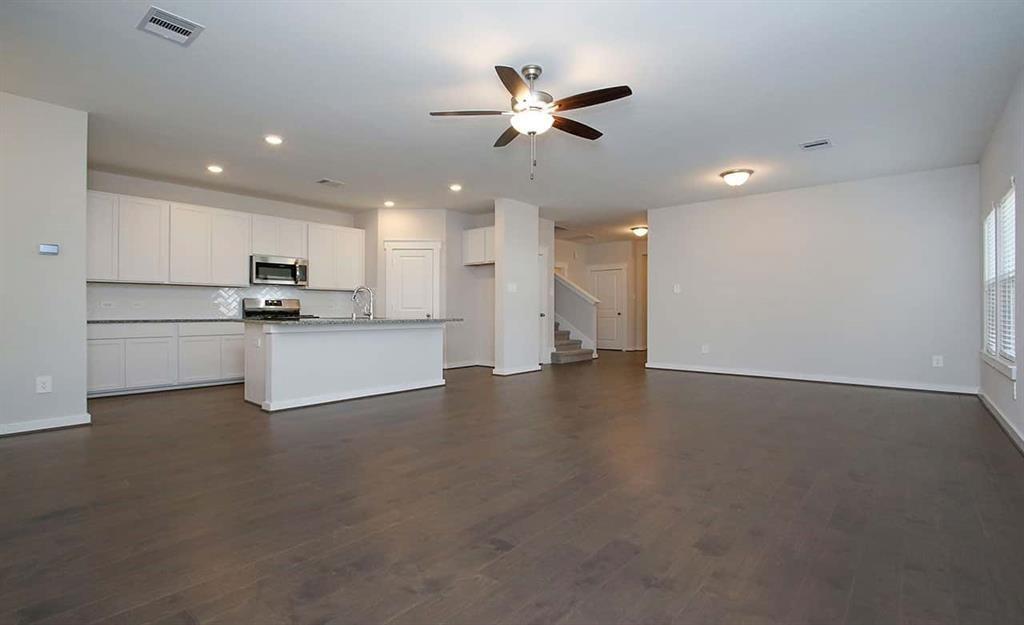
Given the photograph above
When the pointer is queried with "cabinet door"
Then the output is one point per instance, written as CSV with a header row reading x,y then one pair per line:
x,y
232,357
190,244
291,238
198,359
150,362
101,236
264,235
142,240
323,256
230,249
105,364
473,246
488,237
351,257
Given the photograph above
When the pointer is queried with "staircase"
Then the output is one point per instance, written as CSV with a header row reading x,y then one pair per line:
x,y
568,349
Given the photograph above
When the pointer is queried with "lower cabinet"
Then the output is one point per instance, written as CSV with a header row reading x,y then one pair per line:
x,y
144,356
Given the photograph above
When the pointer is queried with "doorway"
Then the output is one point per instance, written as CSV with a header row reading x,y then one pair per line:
x,y
413,279
608,283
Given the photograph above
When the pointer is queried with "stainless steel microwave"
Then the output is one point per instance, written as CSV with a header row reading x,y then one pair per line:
x,y
278,270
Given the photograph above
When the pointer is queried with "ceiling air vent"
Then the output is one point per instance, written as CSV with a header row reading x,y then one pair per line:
x,y
170,26
817,144
330,182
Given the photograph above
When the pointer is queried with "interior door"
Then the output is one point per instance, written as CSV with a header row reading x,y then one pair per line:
x,y
411,283
546,329
610,287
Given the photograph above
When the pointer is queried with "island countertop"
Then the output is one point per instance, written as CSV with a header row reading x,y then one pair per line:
x,y
331,321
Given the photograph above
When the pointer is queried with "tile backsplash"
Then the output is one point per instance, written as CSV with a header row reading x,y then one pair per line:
x,y
159,301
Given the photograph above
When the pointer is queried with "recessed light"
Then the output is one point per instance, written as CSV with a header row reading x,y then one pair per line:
x,y
389,203
455,187
214,169
273,139
639,230
736,177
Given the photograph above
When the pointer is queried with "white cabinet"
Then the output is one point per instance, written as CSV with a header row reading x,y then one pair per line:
x,y
101,236
277,236
198,359
208,246
150,362
336,257
105,363
478,246
142,239
232,356
209,352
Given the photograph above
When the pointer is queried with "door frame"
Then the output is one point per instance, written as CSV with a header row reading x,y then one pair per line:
x,y
547,305
624,292
392,246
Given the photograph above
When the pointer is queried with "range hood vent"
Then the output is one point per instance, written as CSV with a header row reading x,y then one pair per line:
x,y
170,26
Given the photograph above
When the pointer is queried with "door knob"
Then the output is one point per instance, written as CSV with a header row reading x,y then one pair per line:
x,y
619,314
543,315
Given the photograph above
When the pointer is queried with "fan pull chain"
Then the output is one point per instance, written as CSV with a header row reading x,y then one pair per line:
x,y
533,153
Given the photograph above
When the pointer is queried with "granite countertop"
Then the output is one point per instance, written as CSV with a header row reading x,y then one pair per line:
x,y
163,320
326,321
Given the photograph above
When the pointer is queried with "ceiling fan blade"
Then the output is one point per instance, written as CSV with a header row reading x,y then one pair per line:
x,y
590,98
513,82
506,137
573,127
448,113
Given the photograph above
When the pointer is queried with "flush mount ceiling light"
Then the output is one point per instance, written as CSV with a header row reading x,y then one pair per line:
x,y
214,169
736,177
273,139
639,230
389,203
455,187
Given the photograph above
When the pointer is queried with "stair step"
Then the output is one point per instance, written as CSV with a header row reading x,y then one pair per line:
x,y
572,355
564,346
561,335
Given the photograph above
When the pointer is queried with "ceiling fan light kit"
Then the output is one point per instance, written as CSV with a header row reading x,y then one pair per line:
x,y
736,177
533,111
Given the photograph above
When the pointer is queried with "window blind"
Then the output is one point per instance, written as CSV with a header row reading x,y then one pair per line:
x,y
990,337
1006,259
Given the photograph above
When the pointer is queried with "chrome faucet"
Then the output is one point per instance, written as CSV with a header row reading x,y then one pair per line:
x,y
355,296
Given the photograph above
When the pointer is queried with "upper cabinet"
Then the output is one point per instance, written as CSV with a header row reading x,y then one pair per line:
x,y
209,246
336,257
478,246
127,238
277,236
101,236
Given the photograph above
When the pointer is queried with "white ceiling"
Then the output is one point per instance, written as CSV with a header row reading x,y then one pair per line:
x,y
898,87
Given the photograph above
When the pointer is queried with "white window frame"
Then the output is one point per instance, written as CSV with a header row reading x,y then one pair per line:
x,y
997,359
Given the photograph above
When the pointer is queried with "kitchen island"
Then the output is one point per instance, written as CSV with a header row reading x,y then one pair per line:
x,y
301,362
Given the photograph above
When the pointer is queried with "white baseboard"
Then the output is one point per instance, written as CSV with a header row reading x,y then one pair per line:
x,y
809,377
327,398
467,363
515,371
157,389
20,427
1015,436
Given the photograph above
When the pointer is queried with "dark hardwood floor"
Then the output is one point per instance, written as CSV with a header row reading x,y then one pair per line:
x,y
588,493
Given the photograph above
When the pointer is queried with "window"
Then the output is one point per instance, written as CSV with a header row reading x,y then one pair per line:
x,y
1000,279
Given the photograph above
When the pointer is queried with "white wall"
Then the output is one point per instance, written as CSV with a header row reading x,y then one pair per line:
x,y
144,187
573,256
399,224
546,242
1003,158
42,200
469,296
516,288
856,282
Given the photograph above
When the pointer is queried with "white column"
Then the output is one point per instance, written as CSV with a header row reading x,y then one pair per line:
x,y
516,288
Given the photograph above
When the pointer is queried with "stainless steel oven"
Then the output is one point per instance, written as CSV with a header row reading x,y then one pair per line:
x,y
278,270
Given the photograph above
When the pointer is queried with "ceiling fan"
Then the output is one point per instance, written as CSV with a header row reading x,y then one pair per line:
x,y
533,112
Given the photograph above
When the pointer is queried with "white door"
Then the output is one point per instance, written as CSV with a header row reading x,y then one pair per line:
x,y
546,327
610,287
412,283
101,237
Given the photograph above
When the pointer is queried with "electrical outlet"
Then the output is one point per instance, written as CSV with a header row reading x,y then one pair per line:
x,y
676,288
513,287
705,349
44,384
937,361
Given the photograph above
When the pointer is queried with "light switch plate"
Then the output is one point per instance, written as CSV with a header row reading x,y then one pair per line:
x,y
44,384
676,288
937,361
512,287
705,349
49,249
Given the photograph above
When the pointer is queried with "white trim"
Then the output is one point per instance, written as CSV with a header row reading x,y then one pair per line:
x,y
810,377
392,245
20,427
515,371
577,289
1000,364
157,389
363,392
1017,438
461,364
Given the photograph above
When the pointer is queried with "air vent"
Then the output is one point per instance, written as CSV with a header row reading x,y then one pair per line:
x,y
817,144
170,26
330,182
